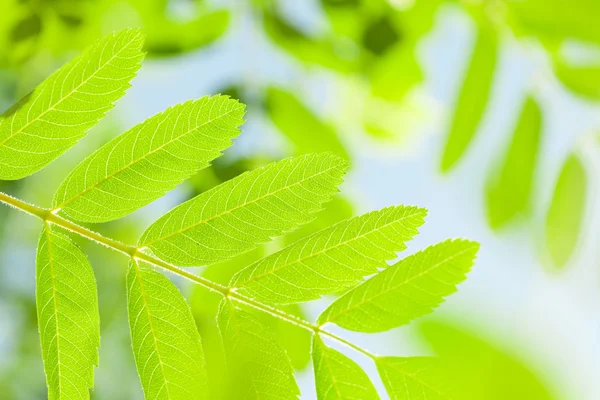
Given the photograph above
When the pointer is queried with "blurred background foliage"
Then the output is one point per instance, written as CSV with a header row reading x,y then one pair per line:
x,y
368,51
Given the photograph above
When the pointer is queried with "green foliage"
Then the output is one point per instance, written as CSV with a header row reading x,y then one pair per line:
x,y
566,213
510,189
337,377
232,219
333,259
413,378
245,211
166,344
150,159
421,281
473,97
53,117
258,367
304,130
67,309
482,368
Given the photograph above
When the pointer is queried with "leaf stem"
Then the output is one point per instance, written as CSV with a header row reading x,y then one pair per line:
x,y
49,217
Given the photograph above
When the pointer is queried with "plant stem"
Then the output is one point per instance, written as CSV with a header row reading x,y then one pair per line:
x,y
136,253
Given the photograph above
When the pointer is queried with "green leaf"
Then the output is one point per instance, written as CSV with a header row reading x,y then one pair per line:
x,y
53,117
509,190
396,72
258,366
413,378
337,377
565,216
583,80
68,319
248,210
304,130
150,159
335,258
482,369
473,98
406,290
166,344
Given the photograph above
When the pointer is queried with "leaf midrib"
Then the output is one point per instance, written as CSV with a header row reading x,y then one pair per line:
x,y
152,331
399,285
53,107
231,210
134,162
55,302
276,269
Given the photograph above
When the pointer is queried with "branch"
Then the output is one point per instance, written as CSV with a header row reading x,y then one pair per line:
x,y
136,253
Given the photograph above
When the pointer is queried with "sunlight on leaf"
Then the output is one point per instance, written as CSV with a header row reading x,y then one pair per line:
x,y
404,291
150,159
68,319
414,378
166,344
60,110
335,258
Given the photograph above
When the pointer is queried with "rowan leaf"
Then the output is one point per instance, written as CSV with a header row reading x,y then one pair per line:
x,y
337,377
473,98
248,210
413,378
332,259
509,188
258,367
52,118
404,291
68,318
150,159
166,344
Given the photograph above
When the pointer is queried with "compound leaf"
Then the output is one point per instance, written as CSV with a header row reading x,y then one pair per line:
x,y
248,210
53,117
68,318
150,159
509,190
258,367
166,344
406,290
332,259
337,377
413,378
565,216
473,98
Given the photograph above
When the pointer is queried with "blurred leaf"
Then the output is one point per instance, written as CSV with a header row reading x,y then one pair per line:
x,y
166,345
473,98
557,20
583,80
509,188
565,216
380,35
396,72
414,378
26,28
306,49
258,367
404,291
338,377
480,369
166,37
303,129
